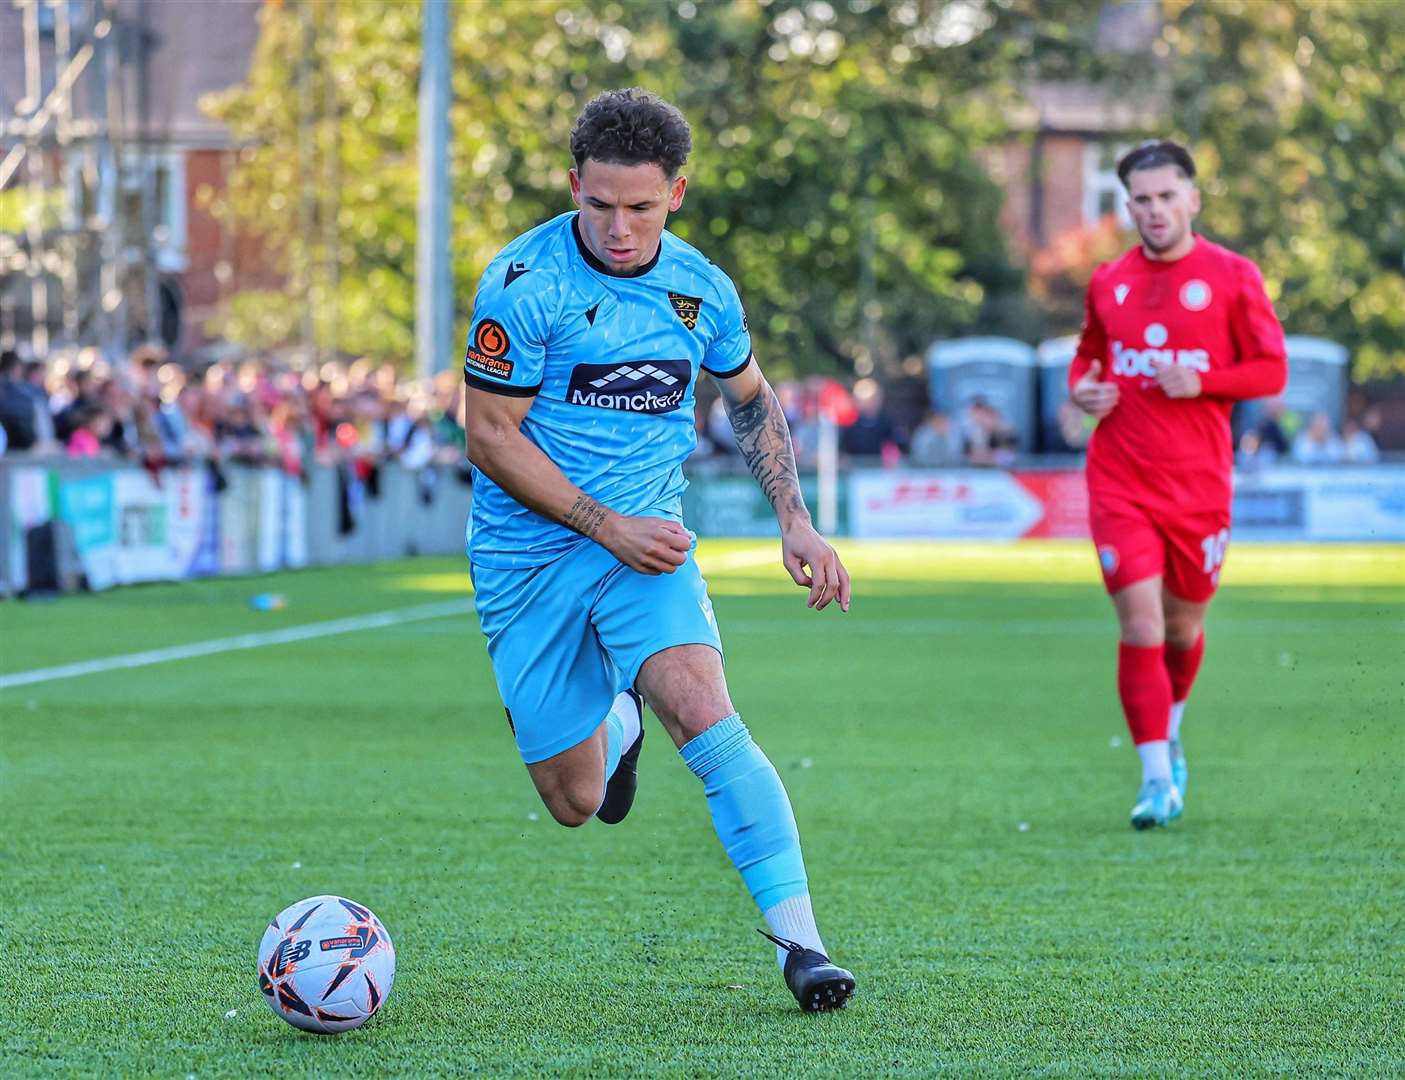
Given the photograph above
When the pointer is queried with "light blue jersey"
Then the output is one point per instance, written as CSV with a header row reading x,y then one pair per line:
x,y
612,362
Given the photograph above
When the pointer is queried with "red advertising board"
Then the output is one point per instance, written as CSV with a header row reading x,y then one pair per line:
x,y
1064,497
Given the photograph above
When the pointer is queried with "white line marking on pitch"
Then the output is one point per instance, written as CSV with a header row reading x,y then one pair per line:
x,y
242,641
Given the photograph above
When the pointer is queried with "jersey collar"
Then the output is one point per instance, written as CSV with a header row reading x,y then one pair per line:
x,y
598,266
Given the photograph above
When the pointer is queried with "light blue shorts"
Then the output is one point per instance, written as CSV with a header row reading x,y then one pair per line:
x,y
567,637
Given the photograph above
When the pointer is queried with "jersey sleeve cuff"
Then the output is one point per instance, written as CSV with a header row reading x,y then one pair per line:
x,y
731,373
505,389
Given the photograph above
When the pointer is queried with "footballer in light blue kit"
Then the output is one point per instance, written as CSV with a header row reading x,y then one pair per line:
x,y
589,334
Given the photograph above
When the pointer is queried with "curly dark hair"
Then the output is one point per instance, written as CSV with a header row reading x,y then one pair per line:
x,y
1153,154
631,127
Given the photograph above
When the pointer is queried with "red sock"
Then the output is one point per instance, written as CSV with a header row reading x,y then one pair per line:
x,y
1182,665
1145,690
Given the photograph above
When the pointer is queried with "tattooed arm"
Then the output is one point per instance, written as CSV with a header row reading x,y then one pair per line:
x,y
497,447
763,437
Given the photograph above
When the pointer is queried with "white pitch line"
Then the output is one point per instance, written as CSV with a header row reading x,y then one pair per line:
x,y
242,641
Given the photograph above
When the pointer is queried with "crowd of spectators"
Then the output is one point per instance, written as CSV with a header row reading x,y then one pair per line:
x,y
866,428
153,410
1281,436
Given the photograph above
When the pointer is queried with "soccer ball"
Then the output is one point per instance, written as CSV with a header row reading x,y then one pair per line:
x,y
326,964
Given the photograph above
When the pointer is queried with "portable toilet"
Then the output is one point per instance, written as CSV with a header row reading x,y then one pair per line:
x,y
999,370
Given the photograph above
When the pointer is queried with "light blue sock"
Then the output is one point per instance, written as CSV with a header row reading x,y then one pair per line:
x,y
750,811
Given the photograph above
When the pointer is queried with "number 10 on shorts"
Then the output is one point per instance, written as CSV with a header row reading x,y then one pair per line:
x,y
1214,547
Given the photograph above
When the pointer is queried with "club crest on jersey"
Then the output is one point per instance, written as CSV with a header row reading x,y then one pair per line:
x,y
686,308
1195,295
637,386
487,350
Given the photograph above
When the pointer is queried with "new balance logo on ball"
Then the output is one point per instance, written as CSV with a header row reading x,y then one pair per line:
x,y
653,386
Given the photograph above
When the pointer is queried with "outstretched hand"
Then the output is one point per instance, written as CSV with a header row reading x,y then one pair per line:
x,y
814,564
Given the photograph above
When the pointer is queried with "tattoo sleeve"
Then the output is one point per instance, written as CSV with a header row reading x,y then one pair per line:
x,y
585,517
763,437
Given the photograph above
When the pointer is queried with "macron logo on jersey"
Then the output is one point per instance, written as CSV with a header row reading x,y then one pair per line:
x,y
655,386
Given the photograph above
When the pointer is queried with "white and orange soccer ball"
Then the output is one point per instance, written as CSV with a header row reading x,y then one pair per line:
x,y
326,964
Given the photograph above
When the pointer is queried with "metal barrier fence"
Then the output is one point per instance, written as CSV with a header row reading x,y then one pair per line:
x,y
73,524
70,524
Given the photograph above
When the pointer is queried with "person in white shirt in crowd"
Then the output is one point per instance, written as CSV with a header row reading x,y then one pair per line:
x,y
1358,447
935,441
1318,444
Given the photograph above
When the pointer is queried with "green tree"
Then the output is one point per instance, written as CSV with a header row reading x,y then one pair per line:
x,y
834,172
1296,112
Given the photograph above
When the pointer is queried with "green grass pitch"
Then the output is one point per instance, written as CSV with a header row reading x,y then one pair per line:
x,y
959,769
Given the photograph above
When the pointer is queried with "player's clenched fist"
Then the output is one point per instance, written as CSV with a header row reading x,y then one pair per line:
x,y
1177,381
1092,395
649,545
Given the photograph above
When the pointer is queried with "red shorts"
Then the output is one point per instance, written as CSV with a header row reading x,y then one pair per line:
x,y
1134,543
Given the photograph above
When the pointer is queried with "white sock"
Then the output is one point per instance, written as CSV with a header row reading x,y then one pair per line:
x,y
630,719
1177,711
794,919
1156,760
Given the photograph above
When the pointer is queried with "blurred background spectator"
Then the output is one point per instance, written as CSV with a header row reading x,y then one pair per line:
x,y
936,441
1318,444
1271,435
873,432
989,438
1358,444
18,411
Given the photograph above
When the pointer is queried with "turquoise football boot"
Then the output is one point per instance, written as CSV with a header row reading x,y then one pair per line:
x,y
1158,803
1178,774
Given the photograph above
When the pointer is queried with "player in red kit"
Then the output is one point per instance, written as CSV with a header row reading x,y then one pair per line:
x,y
1177,330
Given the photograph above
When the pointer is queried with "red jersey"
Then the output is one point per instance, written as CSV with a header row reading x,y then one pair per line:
x,y
1208,311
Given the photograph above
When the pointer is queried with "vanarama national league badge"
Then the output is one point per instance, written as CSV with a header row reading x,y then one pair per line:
x,y
489,348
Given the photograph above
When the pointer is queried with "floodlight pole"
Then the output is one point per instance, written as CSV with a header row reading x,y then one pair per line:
x,y
434,311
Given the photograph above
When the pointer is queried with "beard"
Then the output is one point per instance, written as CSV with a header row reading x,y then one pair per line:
x,y
1172,238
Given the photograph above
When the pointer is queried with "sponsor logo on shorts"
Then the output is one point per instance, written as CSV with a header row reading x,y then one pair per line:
x,y
1195,295
643,386
488,349
1108,558
686,308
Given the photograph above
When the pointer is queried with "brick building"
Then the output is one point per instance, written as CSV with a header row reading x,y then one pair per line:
x,y
126,151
